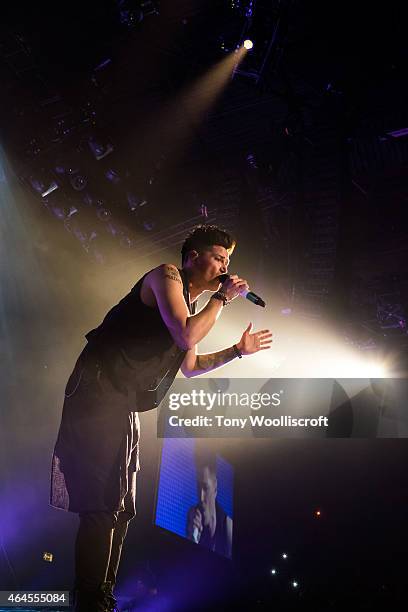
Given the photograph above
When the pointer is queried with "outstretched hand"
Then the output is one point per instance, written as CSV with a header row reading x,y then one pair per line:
x,y
252,343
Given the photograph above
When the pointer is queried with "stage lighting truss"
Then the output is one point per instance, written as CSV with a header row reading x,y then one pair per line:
x,y
135,203
113,176
42,183
258,24
390,313
132,12
78,180
99,149
71,170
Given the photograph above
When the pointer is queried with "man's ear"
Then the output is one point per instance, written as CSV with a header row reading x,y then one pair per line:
x,y
193,254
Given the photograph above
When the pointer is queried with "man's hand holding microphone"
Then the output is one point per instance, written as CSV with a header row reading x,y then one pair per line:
x,y
232,286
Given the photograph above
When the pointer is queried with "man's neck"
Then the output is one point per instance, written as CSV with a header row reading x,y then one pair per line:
x,y
213,523
195,288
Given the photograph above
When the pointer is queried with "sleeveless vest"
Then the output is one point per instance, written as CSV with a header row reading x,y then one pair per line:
x,y
135,349
219,542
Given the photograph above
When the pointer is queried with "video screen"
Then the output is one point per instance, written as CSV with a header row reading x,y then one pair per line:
x,y
195,494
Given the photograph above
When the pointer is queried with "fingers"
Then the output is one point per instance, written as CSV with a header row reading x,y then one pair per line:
x,y
232,278
240,283
265,344
197,523
262,335
197,520
235,280
233,286
263,339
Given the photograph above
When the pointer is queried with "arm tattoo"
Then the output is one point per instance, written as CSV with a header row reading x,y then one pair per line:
x,y
211,361
172,273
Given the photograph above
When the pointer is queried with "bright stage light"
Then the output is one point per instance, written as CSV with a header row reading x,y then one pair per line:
x,y
295,583
284,556
273,571
248,44
356,367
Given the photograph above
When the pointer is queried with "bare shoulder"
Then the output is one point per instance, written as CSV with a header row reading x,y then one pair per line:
x,y
164,272
164,286
156,281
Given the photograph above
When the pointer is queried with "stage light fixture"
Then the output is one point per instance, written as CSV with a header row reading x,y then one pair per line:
x,y
284,556
52,187
99,149
248,44
398,133
43,186
72,211
103,214
58,211
295,584
113,176
135,203
273,572
78,181
132,12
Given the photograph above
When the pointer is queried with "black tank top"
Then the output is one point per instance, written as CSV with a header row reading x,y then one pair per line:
x,y
135,348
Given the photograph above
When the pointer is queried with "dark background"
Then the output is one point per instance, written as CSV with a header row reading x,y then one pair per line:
x,y
296,158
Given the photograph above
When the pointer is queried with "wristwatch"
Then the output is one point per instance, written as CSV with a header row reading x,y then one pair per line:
x,y
220,295
237,351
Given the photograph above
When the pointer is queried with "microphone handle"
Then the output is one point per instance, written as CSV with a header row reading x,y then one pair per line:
x,y
252,297
249,295
196,535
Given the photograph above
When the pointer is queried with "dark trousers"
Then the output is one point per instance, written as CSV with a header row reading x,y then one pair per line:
x,y
98,548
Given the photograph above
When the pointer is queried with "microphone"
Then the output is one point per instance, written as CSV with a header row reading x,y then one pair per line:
x,y
249,295
196,535
196,530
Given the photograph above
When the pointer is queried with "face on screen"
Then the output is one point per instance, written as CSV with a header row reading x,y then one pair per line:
x,y
207,492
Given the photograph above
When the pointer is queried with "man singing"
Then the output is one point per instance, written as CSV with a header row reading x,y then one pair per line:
x,y
207,523
127,366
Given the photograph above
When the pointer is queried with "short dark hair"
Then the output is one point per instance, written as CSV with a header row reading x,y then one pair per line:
x,y
204,457
205,236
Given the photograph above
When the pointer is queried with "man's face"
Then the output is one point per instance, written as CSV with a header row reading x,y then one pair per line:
x,y
211,263
207,492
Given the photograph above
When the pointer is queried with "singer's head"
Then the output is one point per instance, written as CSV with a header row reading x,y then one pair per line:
x,y
206,466
205,255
